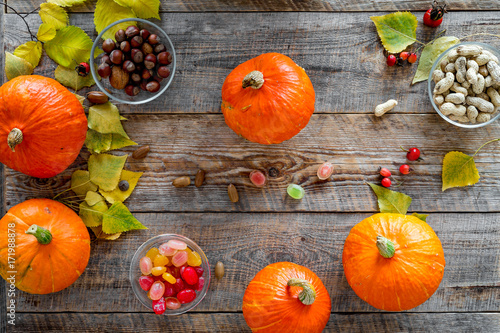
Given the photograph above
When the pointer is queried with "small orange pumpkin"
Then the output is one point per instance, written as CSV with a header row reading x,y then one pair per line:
x,y
394,262
268,99
42,126
286,297
52,246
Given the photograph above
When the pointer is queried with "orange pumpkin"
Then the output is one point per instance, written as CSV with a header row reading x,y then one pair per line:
x,y
286,297
42,126
394,262
52,246
268,99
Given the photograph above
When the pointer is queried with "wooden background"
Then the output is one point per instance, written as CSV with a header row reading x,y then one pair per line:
x,y
336,42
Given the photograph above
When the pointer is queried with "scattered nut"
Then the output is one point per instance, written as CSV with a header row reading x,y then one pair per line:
x,y
381,109
181,181
123,185
140,152
97,97
233,193
219,270
200,178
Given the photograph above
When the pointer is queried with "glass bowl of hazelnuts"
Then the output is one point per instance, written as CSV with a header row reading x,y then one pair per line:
x,y
135,63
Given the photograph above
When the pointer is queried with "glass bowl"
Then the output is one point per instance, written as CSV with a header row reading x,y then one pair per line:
x,y
120,95
135,272
430,85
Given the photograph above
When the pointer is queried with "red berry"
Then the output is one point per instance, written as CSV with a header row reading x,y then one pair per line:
x,y
186,296
159,306
413,154
391,60
189,276
404,55
404,169
83,69
384,172
386,182
412,58
146,282
434,16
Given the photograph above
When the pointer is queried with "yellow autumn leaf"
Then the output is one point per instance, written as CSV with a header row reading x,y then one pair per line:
x,y
459,170
396,30
105,170
118,195
102,235
15,66
81,184
30,51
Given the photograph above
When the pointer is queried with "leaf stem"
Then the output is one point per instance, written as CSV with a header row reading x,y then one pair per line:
x,y
432,41
484,144
33,37
69,189
480,34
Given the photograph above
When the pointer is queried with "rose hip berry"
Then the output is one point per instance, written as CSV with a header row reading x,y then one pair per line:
x,y
384,172
83,69
412,58
391,60
404,55
434,16
404,169
386,182
413,154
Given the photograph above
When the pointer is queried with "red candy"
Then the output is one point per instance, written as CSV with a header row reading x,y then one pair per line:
x,y
179,285
199,270
172,303
186,296
200,284
189,275
159,306
169,290
146,282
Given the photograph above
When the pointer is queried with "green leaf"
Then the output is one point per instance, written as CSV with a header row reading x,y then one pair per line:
x,y
391,201
53,15
69,77
119,219
142,8
97,142
30,51
102,235
45,33
459,169
93,198
81,184
107,12
15,66
67,3
119,141
92,215
396,30
105,118
429,55
105,170
423,217
69,47
120,196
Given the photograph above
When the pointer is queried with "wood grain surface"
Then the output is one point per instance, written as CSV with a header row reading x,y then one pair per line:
x,y
284,5
340,52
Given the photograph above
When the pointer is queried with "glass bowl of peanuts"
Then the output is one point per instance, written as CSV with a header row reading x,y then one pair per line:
x,y
464,85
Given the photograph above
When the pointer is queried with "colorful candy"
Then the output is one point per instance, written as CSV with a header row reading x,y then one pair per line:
x,y
295,191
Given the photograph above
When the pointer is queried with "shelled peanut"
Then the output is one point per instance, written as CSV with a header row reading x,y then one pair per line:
x,y
467,86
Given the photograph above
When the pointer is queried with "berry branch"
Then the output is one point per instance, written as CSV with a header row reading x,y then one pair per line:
x,y
23,17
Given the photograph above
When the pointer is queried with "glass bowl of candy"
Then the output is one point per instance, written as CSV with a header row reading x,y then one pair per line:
x,y
135,61
169,274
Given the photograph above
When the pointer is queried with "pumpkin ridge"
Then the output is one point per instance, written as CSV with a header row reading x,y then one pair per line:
x,y
68,261
27,269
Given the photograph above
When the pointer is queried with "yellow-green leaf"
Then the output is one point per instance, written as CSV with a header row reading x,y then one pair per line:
x,y
15,66
81,184
118,195
45,33
119,219
92,216
30,51
429,55
69,47
423,217
69,77
391,201
119,141
93,198
102,235
107,12
142,8
97,142
459,169
105,170
80,98
105,118
396,30
53,15
67,3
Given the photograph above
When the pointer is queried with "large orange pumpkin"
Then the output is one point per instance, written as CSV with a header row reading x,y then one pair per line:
x,y
285,298
52,246
42,126
268,99
394,262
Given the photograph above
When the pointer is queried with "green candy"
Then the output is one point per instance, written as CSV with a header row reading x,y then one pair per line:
x,y
295,191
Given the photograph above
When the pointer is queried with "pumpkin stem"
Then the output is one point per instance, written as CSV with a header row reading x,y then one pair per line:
x,y
42,235
308,293
254,79
14,138
385,247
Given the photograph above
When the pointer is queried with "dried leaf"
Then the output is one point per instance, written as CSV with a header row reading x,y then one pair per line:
x,y
102,235
396,30
391,201
142,8
423,217
45,33
120,196
459,169
105,118
81,184
69,77
15,66
69,47
119,219
105,170
93,198
107,12
53,15
30,51
429,55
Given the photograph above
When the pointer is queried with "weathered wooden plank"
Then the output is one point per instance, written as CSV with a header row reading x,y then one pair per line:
x,y
283,5
340,52
245,243
234,322
356,144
